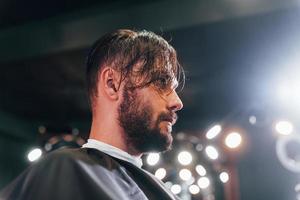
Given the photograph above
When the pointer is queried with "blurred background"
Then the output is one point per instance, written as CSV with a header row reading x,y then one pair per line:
x,y
238,134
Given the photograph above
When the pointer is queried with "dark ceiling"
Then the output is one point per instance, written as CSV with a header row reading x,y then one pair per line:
x,y
16,13
230,53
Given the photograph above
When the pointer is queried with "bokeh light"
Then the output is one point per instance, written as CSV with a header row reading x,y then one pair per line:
x,y
185,157
160,173
233,140
200,170
203,182
284,127
194,189
224,177
213,132
176,189
185,174
153,158
252,119
212,152
34,154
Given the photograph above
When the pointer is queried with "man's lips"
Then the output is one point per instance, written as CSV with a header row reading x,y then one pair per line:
x,y
172,120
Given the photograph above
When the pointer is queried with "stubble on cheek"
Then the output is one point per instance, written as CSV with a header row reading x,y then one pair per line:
x,y
143,133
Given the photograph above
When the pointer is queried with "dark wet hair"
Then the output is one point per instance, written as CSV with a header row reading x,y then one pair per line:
x,y
124,49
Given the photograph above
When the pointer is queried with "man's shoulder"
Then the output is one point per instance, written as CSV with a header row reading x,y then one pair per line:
x,y
60,155
65,153
79,158
66,174
75,155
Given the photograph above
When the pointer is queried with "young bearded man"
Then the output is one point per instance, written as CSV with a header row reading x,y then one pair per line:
x,y
131,81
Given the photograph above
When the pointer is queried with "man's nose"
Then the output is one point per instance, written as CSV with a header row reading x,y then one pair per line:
x,y
175,102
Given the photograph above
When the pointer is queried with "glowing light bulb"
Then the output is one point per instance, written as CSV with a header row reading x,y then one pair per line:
x,y
34,154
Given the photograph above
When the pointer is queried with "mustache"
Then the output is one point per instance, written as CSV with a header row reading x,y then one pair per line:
x,y
169,116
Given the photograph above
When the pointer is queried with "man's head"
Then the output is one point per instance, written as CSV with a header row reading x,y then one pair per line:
x,y
142,69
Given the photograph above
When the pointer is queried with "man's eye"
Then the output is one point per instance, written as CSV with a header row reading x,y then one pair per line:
x,y
163,81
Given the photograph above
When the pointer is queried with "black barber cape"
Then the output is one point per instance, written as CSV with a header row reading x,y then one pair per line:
x,y
85,174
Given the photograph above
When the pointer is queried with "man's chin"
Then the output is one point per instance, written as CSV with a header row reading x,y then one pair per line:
x,y
165,128
164,141
168,139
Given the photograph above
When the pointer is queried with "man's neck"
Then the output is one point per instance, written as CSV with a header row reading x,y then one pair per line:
x,y
112,135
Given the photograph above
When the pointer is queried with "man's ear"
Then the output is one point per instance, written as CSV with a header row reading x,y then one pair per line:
x,y
110,80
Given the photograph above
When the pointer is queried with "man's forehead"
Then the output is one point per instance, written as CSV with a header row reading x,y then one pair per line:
x,y
174,83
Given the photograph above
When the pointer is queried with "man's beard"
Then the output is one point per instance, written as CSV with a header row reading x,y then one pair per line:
x,y
135,118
